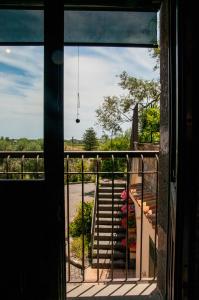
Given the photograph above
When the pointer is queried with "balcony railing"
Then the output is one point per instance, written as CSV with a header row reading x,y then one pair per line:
x,y
111,201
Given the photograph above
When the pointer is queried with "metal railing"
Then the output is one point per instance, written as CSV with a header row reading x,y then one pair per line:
x,y
109,169
101,247
21,165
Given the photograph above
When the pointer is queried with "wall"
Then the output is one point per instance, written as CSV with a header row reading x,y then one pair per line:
x,y
150,165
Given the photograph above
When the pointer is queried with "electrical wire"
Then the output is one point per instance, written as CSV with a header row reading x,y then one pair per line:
x,y
78,95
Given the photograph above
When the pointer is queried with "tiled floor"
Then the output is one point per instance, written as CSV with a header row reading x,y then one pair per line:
x,y
115,291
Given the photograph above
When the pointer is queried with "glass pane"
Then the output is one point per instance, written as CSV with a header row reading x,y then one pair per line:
x,y
21,111
108,27
21,26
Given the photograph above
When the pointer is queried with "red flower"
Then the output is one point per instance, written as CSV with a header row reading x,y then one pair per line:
x,y
124,195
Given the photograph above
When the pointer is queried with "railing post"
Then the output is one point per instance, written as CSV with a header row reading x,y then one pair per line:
x,y
83,225
67,214
156,213
141,229
37,167
112,229
127,215
7,167
97,189
22,166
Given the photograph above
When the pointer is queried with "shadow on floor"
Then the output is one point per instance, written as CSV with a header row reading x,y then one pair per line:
x,y
115,291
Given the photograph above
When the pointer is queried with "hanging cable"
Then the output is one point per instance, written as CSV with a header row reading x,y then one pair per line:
x,y
78,97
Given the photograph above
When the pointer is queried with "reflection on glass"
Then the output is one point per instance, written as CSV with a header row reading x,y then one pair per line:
x,y
21,26
104,27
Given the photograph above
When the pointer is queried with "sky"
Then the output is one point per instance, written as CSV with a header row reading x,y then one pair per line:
x,y
21,86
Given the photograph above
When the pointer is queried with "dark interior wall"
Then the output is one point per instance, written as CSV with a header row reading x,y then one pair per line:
x,y
179,168
187,259
30,230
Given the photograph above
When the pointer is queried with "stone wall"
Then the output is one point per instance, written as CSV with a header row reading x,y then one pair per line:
x,y
150,165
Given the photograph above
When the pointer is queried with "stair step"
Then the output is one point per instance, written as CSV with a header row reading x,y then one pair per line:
x,y
109,207
109,190
107,264
108,237
108,254
108,214
116,184
108,229
109,195
108,221
107,245
109,201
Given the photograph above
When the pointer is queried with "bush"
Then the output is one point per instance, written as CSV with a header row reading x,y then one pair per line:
x,y
76,247
76,226
119,166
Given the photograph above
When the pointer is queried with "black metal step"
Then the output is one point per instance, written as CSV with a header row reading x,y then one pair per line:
x,y
109,189
108,254
107,264
108,229
116,207
109,195
109,201
107,245
108,221
108,214
108,237
116,184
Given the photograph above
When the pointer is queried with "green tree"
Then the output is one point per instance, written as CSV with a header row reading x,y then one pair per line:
x,y
121,142
150,124
115,111
90,139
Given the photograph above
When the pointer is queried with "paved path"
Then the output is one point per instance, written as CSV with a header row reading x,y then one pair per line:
x,y
75,196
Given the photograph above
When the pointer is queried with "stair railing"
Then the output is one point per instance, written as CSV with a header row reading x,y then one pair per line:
x,y
94,219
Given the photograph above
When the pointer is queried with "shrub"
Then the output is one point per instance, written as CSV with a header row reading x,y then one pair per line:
x,y
76,226
76,247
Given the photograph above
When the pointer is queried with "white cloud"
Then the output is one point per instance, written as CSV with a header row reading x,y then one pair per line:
x,y
21,92
98,79
21,85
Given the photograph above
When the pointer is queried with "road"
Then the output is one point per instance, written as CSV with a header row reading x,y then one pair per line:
x,y
75,197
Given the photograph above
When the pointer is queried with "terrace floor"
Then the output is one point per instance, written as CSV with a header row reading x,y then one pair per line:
x,y
114,291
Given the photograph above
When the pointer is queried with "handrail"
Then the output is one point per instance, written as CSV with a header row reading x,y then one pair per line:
x,y
101,215
93,220
79,154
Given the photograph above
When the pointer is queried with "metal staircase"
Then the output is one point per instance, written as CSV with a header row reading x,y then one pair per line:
x,y
108,233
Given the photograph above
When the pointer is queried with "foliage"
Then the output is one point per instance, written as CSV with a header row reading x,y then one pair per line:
x,y
76,246
119,143
76,226
115,111
155,53
22,144
150,124
75,165
90,139
14,165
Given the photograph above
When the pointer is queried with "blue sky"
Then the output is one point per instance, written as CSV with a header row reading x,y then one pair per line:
x,y
21,86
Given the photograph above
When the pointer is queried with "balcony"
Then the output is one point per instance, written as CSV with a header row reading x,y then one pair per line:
x,y
114,253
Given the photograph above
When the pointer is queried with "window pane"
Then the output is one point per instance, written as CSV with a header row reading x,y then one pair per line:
x,y
21,111
108,27
21,26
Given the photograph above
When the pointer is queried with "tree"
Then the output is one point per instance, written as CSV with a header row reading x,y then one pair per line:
x,y
155,53
115,111
90,139
150,124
